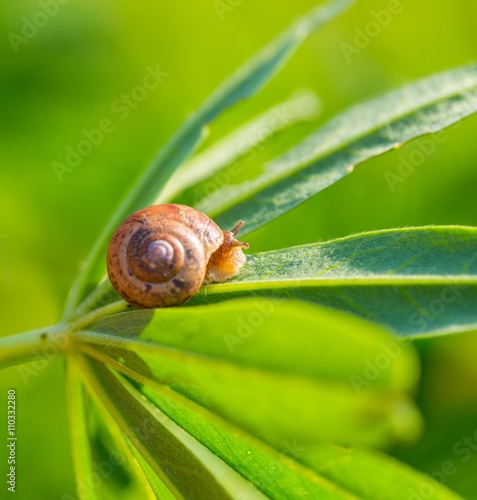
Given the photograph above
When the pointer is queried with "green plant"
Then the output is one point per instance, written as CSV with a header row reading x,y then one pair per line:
x,y
227,399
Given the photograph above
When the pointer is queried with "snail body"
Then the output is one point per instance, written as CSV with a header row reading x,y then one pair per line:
x,y
161,255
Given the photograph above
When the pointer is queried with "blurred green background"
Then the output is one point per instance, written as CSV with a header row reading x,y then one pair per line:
x,y
65,78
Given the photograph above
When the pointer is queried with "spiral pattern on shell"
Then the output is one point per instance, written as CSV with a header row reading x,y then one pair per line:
x,y
158,256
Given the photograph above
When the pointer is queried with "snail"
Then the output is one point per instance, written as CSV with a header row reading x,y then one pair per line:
x,y
161,255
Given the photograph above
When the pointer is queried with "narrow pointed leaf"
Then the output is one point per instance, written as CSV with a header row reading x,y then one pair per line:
x,y
149,483
270,470
359,134
370,474
82,454
239,142
418,281
186,467
158,487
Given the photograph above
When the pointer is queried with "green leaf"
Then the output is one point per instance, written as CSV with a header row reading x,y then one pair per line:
x,y
370,475
245,82
222,154
363,132
158,488
418,281
151,487
187,468
236,355
80,445
272,472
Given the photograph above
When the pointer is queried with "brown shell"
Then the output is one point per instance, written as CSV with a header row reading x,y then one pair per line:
x,y
158,256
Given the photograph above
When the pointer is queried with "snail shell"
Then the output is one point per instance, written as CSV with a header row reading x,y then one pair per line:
x,y
160,255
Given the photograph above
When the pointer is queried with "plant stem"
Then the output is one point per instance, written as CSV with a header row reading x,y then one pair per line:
x,y
24,347
93,316
99,294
